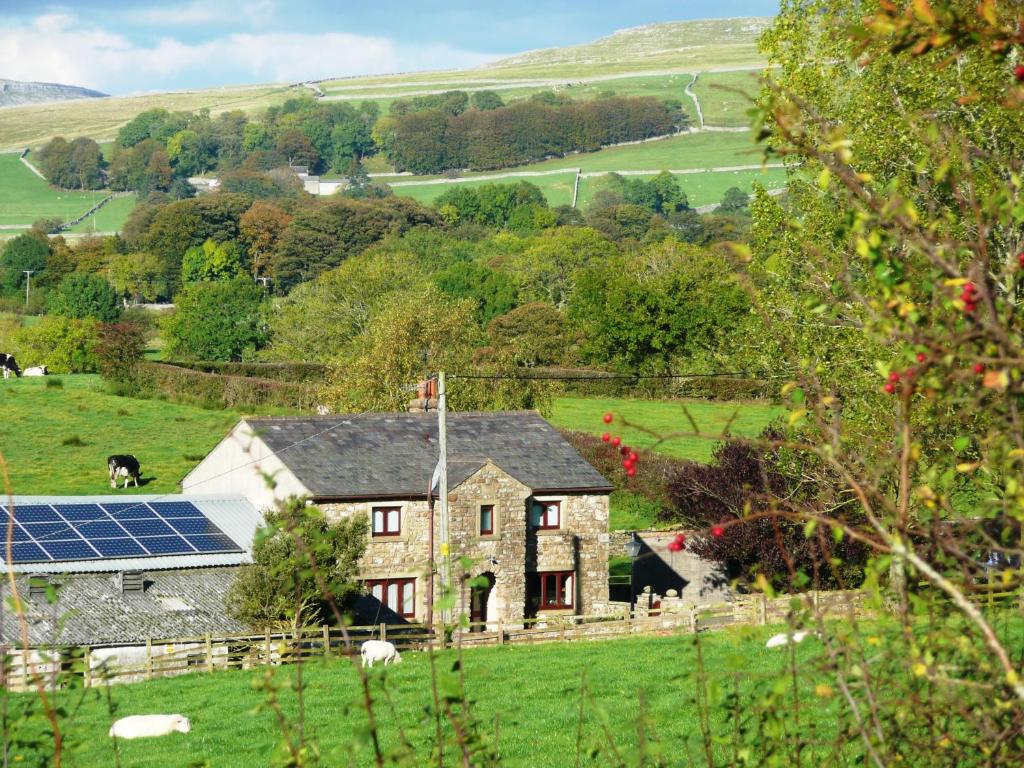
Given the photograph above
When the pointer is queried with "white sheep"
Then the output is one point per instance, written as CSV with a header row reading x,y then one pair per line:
x,y
144,726
36,370
784,638
379,650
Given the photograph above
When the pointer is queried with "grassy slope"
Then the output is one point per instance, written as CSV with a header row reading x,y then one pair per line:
x,y
109,218
24,197
664,417
168,439
532,691
700,188
725,97
100,118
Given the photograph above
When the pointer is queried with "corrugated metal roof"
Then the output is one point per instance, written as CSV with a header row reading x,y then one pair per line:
x,y
234,515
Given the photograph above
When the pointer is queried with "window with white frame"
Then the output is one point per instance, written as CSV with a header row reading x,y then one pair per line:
x,y
546,515
398,595
386,521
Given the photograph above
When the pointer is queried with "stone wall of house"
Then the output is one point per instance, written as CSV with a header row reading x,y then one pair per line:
x,y
506,557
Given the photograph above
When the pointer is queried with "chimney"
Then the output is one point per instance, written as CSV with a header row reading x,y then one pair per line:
x,y
426,396
131,582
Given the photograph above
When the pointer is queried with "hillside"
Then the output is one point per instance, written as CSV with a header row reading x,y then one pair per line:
x,y
15,92
717,44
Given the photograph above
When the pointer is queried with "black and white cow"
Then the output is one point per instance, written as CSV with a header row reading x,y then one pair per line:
x,y
9,365
126,466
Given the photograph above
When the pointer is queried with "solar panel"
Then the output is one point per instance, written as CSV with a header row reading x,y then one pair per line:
x,y
63,532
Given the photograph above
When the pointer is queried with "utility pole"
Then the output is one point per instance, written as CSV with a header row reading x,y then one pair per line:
x,y
442,446
28,282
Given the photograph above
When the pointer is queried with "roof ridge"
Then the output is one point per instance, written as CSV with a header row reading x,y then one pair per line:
x,y
393,414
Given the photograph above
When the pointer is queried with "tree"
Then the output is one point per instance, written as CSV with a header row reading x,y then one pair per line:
x,y
301,563
22,253
82,295
139,276
75,165
486,100
211,261
120,350
735,200
216,321
546,269
533,334
260,229
493,292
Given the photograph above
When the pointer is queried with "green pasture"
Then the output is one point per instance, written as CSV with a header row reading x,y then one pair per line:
x,y
56,434
24,197
701,188
665,418
557,188
109,218
725,97
525,697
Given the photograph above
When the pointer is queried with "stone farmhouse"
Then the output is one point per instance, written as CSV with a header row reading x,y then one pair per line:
x,y
524,506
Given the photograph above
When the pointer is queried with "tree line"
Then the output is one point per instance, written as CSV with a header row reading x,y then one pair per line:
x,y
159,150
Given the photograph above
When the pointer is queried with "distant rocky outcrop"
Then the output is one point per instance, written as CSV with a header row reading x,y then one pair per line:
x,y
14,92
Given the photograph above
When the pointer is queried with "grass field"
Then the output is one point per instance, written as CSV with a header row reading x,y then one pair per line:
x,y
109,218
530,694
35,124
701,188
665,417
38,417
24,197
725,97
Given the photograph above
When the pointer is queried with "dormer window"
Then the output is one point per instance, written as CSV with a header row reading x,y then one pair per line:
x,y
546,515
386,521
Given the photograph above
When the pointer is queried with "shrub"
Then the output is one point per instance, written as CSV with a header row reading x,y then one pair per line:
x,y
741,482
81,295
282,577
210,390
120,350
62,344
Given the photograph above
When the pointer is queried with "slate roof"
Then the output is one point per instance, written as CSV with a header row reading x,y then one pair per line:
x,y
92,610
382,455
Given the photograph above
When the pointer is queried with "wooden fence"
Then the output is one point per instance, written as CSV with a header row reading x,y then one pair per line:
x,y
168,658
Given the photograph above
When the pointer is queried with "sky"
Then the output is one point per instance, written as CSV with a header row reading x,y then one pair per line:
x,y
122,47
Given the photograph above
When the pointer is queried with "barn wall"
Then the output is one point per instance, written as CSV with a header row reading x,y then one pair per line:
x,y
237,466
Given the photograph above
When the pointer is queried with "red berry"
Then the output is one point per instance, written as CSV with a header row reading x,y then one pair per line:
x,y
633,457
631,471
606,437
909,373
979,368
627,464
1020,259
889,388
680,537
616,441
608,418
675,546
718,531
969,307
921,357
1018,72
894,377
624,450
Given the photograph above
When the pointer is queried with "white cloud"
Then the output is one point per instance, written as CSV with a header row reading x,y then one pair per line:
x,y
64,49
197,12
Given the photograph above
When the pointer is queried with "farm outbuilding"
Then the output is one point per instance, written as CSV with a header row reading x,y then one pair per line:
x,y
94,570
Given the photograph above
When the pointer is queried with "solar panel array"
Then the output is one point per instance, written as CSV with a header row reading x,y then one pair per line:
x,y
60,532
